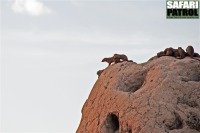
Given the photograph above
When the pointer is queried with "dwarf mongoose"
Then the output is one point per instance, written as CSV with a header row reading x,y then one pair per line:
x,y
109,60
169,51
120,57
190,51
181,53
116,60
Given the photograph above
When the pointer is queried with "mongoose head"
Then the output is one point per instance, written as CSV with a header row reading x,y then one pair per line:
x,y
110,59
190,48
115,56
169,51
179,48
103,60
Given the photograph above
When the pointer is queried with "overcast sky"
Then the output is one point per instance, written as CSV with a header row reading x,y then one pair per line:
x,y
51,50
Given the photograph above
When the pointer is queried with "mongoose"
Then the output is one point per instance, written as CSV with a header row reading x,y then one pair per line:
x,y
181,53
119,57
109,60
190,51
169,51
99,72
192,54
116,60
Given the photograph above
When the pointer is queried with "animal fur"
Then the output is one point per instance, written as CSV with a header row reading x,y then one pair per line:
x,y
109,60
181,53
169,51
120,57
190,51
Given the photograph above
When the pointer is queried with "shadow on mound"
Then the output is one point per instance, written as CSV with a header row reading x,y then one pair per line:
x,y
175,123
134,82
111,124
193,121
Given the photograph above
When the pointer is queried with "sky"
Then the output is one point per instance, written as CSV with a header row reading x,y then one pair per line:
x,y
52,49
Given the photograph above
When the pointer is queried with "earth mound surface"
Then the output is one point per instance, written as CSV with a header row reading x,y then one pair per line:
x,y
159,96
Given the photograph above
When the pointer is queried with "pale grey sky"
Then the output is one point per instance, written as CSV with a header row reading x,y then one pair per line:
x,y
51,50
